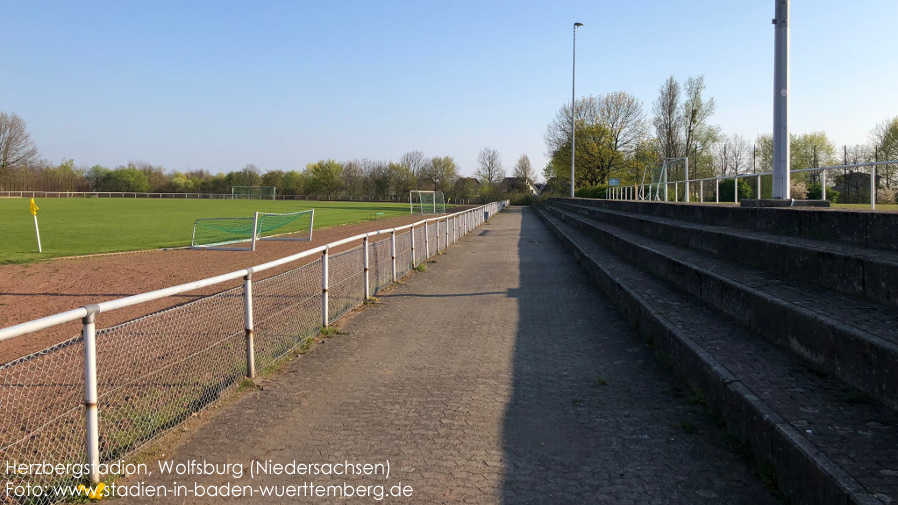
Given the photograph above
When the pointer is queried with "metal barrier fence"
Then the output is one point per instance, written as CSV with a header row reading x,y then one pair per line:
x,y
641,191
98,397
211,196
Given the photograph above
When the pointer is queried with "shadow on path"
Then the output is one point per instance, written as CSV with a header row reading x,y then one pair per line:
x,y
593,417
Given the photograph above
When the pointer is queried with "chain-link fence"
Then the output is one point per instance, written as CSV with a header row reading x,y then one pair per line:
x,y
96,398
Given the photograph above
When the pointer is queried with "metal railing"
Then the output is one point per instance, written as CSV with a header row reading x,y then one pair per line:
x,y
216,196
145,376
641,191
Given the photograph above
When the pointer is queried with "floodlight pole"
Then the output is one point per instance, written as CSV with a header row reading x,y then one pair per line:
x,y
573,105
781,187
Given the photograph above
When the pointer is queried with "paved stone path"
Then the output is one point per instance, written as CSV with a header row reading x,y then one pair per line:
x,y
498,376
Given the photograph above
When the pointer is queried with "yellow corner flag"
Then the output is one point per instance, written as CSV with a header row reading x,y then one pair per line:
x,y
37,230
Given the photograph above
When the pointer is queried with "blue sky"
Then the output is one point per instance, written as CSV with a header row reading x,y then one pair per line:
x,y
219,84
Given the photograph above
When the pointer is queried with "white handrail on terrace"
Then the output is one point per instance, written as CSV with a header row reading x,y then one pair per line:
x,y
638,192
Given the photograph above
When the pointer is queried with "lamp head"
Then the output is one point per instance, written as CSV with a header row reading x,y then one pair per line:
x,y
577,24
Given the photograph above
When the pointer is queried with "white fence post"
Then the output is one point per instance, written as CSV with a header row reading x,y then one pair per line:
x,y
393,252
255,229
437,223
324,283
367,279
412,237
454,229
91,416
823,183
248,318
758,196
736,190
701,191
872,187
426,243
716,190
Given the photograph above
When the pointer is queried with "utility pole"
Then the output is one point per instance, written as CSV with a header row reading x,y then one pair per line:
x,y
573,105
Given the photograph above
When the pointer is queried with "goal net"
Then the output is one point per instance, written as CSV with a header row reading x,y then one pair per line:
x,y
287,226
241,233
656,173
253,192
224,233
427,202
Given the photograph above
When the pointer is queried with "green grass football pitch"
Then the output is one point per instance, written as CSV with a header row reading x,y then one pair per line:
x,y
77,226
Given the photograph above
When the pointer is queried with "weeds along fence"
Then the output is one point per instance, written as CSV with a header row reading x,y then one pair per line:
x,y
99,396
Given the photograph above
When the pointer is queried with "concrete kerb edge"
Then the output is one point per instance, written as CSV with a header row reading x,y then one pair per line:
x,y
745,415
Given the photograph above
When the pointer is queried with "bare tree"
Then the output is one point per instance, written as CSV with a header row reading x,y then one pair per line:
x,y
609,130
696,112
354,178
523,168
622,114
416,162
680,119
668,126
489,167
732,155
377,177
16,147
885,142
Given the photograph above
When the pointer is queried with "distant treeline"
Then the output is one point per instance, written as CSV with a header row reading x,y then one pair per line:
x,y
355,178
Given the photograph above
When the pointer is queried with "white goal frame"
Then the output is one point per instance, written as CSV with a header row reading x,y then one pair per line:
x,y
435,207
260,216
233,244
226,245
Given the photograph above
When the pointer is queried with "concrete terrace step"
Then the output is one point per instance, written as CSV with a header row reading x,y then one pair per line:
x,y
845,267
854,340
824,444
863,228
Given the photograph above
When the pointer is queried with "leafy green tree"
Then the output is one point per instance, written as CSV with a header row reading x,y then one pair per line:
x,y
441,173
180,183
126,180
595,157
95,176
294,183
726,190
249,175
402,179
274,178
325,177
609,129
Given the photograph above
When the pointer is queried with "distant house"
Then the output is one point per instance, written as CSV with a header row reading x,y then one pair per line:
x,y
518,185
466,187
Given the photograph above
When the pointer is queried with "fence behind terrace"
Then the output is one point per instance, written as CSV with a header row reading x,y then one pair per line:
x,y
96,398
693,189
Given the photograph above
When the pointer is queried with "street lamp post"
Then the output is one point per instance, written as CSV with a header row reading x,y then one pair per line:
x,y
573,105
781,183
